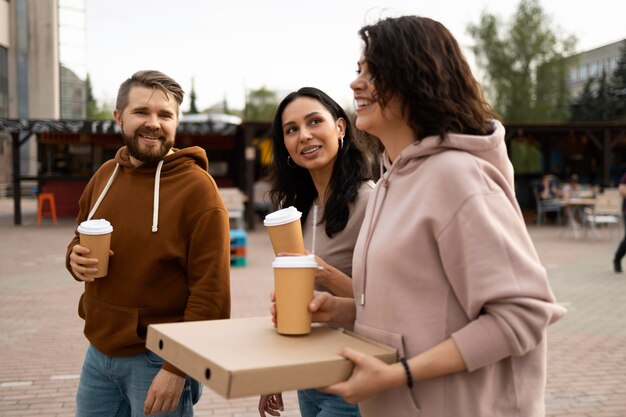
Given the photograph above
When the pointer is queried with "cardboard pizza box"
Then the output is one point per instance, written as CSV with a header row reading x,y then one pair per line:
x,y
245,357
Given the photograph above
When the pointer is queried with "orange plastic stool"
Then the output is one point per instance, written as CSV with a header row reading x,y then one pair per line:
x,y
49,198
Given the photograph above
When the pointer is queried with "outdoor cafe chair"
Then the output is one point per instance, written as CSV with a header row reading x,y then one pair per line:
x,y
606,211
545,206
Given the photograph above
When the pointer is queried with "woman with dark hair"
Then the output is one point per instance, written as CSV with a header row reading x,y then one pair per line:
x,y
318,165
444,268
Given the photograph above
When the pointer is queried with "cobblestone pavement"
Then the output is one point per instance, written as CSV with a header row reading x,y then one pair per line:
x,y
42,343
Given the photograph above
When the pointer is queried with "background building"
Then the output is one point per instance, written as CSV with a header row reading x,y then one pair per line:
x,y
5,144
591,64
73,58
42,69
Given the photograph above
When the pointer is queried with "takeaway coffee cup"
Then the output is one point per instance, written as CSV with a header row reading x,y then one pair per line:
x,y
285,230
294,279
96,235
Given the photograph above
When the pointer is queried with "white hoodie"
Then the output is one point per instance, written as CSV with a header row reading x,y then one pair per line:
x,y
444,252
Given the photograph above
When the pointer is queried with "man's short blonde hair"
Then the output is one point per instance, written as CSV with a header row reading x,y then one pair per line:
x,y
150,79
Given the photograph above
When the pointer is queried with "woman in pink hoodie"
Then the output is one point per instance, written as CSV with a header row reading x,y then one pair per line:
x,y
444,269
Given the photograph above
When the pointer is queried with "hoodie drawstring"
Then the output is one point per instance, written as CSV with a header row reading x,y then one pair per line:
x,y
381,188
103,193
155,204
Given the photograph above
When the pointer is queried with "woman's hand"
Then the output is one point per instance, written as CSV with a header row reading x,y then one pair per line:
x,y
271,404
328,277
369,376
331,278
325,308
273,308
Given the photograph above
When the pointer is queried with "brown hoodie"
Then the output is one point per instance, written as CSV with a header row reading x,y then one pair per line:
x,y
444,253
171,245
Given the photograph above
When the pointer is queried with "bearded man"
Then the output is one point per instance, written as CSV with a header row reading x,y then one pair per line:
x,y
170,256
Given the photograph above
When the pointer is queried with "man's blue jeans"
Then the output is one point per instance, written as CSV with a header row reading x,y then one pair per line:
x,y
314,403
117,386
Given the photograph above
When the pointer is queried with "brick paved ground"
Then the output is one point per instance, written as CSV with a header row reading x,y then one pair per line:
x,y
42,344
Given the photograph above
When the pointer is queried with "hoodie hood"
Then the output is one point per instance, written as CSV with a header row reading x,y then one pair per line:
x,y
179,159
490,148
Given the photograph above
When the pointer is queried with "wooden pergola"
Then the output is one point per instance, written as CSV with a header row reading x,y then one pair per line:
x,y
608,139
210,134
605,136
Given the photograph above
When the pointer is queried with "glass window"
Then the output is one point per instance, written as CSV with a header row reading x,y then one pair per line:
x,y
72,54
614,63
582,73
573,75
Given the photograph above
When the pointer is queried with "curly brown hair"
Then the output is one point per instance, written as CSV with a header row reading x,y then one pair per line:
x,y
418,60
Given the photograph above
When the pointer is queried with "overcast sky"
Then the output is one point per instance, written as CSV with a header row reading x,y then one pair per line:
x,y
232,46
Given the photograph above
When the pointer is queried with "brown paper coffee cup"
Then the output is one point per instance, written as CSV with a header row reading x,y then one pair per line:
x,y
285,230
96,235
294,279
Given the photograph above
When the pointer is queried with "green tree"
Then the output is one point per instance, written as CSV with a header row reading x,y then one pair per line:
x,y
582,106
225,108
193,108
260,105
552,95
617,88
603,99
595,102
94,110
525,70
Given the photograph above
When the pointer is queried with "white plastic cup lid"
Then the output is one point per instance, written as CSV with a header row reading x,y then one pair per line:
x,y
303,261
95,227
283,216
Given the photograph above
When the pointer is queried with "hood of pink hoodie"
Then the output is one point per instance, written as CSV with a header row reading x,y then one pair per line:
x,y
490,148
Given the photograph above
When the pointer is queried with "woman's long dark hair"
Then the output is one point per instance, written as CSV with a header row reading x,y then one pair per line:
x,y
419,60
293,186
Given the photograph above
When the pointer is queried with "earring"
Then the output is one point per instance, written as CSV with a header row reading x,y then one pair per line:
x,y
292,164
341,143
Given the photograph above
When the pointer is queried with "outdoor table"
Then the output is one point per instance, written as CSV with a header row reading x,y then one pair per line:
x,y
574,206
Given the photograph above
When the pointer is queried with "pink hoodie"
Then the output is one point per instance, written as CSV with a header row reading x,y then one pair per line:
x,y
444,252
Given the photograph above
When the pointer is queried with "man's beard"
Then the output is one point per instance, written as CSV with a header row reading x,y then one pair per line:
x,y
149,155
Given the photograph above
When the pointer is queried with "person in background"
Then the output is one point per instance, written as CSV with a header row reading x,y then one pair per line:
x,y
444,268
571,188
621,248
170,263
549,194
261,200
549,188
318,162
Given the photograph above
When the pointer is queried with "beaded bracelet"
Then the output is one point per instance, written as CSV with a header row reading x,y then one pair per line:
x,y
409,377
